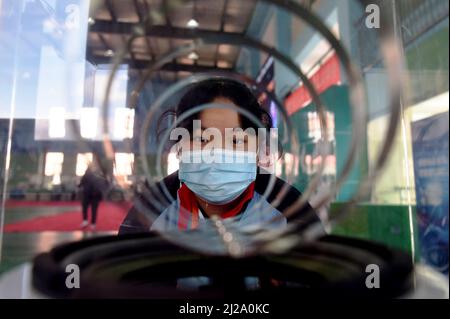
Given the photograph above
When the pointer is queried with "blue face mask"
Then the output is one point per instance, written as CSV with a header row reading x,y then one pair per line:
x,y
217,176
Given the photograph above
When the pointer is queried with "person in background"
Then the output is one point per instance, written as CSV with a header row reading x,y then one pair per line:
x,y
92,185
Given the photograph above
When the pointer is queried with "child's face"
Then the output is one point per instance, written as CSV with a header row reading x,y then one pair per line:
x,y
217,120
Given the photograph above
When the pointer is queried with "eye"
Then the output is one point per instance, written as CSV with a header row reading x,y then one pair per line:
x,y
200,139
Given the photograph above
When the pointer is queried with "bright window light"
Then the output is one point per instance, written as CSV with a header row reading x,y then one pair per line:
x,y
123,164
314,126
123,123
53,166
53,163
172,163
430,107
57,119
89,122
83,161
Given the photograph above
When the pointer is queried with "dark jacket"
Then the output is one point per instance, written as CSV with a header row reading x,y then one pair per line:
x,y
92,185
136,220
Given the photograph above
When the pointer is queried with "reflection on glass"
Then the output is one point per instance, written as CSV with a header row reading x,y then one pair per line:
x,y
55,71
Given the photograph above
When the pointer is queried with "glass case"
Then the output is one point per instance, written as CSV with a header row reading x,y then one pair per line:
x,y
357,94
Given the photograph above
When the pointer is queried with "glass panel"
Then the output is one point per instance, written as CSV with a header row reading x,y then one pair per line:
x,y
86,122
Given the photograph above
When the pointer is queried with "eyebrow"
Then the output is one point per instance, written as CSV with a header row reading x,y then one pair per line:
x,y
234,128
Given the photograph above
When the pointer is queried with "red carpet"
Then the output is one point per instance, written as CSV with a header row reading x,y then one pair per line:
x,y
109,217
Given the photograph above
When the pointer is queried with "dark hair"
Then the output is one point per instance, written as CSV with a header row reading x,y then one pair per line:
x,y
208,90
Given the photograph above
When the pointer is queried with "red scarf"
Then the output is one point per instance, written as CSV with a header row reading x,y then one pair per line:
x,y
189,207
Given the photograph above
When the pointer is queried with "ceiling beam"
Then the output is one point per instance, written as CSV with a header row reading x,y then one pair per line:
x,y
111,11
142,64
222,29
166,11
138,10
110,27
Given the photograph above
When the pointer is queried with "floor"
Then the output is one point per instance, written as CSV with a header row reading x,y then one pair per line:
x,y
19,247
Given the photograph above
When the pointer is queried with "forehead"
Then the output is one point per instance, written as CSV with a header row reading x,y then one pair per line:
x,y
220,118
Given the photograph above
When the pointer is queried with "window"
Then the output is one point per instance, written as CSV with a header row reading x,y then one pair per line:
x,y
88,122
53,166
123,164
56,127
83,160
123,123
